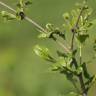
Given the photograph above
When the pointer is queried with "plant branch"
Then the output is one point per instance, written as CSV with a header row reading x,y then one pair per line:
x,y
75,27
5,5
35,24
80,54
84,93
26,18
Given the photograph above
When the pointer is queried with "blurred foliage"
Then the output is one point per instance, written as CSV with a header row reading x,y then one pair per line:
x,y
21,72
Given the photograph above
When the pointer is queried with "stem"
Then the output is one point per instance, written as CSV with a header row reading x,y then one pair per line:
x,y
36,25
80,77
26,18
5,5
84,93
74,28
80,54
72,46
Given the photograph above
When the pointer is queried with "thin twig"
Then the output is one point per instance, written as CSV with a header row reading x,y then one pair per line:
x,y
84,93
35,24
74,28
80,54
5,5
26,18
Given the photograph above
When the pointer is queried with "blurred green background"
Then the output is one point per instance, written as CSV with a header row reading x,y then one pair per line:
x,y
22,73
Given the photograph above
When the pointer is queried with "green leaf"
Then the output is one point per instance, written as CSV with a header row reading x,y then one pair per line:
x,y
50,27
20,5
44,53
59,65
69,76
8,16
59,33
20,14
74,63
28,2
90,82
44,35
85,71
82,37
89,24
23,4
74,52
61,54
79,70
62,67
52,31
74,94
67,58
91,79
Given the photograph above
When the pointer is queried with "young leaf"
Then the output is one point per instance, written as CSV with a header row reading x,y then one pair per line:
x,y
8,16
20,5
62,66
44,35
28,3
44,53
79,70
85,71
61,54
91,79
74,52
23,4
54,31
90,82
60,34
50,27
20,14
74,94
82,37
58,66
67,58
